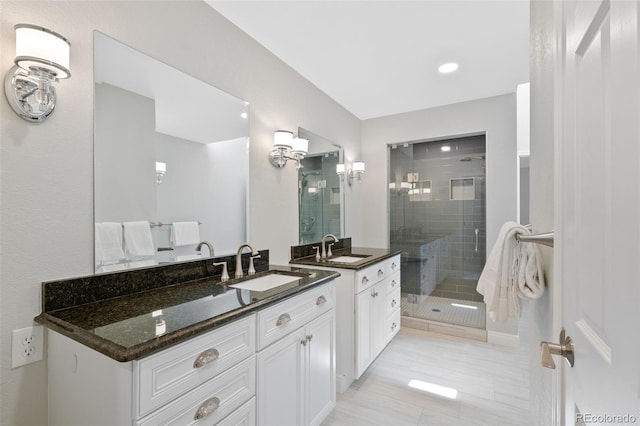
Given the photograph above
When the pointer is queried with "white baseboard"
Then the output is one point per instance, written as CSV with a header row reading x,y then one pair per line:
x,y
503,339
342,383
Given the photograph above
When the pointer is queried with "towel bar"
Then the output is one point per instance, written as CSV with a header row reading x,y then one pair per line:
x,y
154,224
545,239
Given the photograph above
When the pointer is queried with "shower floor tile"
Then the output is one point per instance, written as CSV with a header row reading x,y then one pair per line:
x,y
444,309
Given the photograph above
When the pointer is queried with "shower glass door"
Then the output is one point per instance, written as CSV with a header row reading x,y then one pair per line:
x,y
319,196
437,198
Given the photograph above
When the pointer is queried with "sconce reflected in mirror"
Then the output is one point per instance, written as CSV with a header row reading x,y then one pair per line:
x,y
356,170
161,169
286,147
42,58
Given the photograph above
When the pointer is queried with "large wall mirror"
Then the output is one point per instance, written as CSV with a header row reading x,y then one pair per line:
x,y
320,191
168,149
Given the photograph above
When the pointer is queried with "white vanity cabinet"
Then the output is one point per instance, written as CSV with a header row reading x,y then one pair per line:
x,y
296,366
273,367
367,315
377,310
200,381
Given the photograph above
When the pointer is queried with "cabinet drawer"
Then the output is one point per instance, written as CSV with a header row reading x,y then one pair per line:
x,y
166,375
243,416
392,325
392,302
222,395
279,320
393,283
377,272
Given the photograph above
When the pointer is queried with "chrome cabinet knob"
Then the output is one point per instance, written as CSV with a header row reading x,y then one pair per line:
x,y
206,357
206,408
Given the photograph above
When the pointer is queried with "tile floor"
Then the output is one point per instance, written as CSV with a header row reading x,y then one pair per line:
x,y
492,384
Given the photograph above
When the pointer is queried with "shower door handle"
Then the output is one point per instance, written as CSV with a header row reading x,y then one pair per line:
x,y
477,231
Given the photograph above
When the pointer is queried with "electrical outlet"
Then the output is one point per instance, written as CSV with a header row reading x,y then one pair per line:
x,y
27,345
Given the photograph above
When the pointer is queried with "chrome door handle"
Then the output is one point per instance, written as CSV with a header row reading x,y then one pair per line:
x,y
565,349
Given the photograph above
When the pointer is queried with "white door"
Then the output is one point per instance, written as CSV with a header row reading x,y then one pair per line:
x,y
597,209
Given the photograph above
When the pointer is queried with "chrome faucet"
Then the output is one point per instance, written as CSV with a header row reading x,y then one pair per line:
x,y
254,254
324,249
209,246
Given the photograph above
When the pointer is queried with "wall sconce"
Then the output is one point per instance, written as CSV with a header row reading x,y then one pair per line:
x,y
356,171
42,58
161,169
286,147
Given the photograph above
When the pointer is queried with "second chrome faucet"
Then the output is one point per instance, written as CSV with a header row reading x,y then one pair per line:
x,y
254,254
324,249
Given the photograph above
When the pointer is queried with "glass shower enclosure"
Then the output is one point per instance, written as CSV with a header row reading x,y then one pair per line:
x,y
320,195
437,199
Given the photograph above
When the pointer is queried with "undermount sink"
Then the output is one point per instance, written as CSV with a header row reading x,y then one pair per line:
x,y
347,259
266,282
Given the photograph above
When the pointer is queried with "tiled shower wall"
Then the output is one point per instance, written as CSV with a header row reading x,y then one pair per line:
x,y
416,222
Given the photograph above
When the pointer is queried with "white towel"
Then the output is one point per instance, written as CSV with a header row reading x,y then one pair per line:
x,y
512,271
109,242
137,239
185,233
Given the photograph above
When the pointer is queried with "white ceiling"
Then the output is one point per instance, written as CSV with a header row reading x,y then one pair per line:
x,y
378,58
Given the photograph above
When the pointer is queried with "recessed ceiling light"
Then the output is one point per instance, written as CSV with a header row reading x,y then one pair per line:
x,y
447,68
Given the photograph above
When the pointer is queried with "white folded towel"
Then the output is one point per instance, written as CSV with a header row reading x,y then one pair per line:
x,y
512,271
108,242
137,239
185,233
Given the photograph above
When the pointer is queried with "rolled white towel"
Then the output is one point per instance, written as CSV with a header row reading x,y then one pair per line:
x,y
513,271
185,233
137,239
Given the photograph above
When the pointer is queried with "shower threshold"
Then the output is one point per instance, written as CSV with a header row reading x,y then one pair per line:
x,y
444,328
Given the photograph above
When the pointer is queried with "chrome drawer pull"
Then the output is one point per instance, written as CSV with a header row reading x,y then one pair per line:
x,y
380,272
393,265
393,303
206,408
309,337
393,283
393,326
321,300
206,357
283,319
365,280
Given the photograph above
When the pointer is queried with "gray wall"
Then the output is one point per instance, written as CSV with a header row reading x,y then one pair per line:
x,y
124,135
495,116
46,185
205,183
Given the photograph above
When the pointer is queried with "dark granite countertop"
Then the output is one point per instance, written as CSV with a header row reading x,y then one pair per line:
x,y
132,326
369,257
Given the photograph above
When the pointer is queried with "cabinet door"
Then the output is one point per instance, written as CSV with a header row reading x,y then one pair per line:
x,y
320,380
378,316
363,331
280,394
